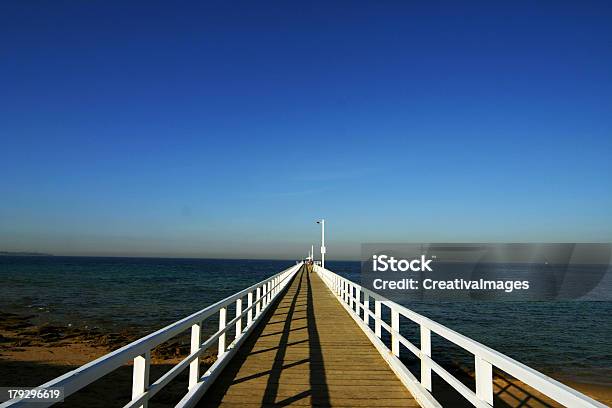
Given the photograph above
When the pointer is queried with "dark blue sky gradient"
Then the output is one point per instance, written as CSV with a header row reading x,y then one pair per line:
x,y
225,128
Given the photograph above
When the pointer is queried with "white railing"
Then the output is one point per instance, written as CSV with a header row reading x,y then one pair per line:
x,y
258,298
356,299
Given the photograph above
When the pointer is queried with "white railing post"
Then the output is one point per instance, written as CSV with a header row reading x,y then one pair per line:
x,y
140,376
484,380
377,317
351,296
238,313
366,308
249,304
258,306
263,296
394,338
194,366
222,323
345,291
425,351
358,301
269,285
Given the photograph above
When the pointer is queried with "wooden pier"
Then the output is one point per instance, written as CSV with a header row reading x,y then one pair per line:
x,y
307,336
308,351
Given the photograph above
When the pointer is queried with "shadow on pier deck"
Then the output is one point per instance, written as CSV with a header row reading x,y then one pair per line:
x,y
307,351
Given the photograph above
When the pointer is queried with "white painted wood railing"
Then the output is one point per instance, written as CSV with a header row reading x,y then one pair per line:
x,y
356,299
258,298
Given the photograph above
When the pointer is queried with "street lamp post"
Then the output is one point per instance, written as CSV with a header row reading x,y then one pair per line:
x,y
322,222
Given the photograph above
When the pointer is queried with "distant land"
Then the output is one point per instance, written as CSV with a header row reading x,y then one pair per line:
x,y
9,253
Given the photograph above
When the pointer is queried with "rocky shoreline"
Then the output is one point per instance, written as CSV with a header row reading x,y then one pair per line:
x,y
32,354
19,332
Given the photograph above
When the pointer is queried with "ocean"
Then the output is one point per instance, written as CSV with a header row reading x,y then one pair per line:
x,y
568,340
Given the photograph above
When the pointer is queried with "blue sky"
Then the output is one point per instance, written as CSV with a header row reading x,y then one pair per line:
x,y
226,128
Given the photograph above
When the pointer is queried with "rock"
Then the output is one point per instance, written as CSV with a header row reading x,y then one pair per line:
x,y
11,321
22,343
170,350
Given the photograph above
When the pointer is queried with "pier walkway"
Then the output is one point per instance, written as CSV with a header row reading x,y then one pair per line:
x,y
308,351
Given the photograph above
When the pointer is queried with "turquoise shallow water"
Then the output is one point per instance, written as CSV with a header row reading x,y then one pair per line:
x,y
567,339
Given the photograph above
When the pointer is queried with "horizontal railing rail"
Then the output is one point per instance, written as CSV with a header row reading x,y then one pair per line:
x,y
258,298
356,299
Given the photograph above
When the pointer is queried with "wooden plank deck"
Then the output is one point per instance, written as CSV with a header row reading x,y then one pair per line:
x,y
307,352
